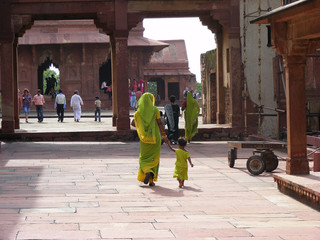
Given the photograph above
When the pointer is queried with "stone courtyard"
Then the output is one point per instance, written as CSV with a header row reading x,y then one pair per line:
x,y
88,190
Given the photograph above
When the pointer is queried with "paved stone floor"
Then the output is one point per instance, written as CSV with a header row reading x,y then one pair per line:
x,y
88,190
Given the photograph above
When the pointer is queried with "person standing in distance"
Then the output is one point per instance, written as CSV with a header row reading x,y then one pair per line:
x,y
60,105
75,103
38,101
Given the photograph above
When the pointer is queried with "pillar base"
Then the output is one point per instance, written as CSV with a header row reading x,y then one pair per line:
x,y
114,121
297,166
8,126
220,118
123,123
17,123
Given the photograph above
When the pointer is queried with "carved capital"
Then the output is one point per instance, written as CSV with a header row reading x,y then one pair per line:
x,y
211,23
21,23
105,22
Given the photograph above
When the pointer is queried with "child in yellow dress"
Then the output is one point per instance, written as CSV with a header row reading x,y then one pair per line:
x,y
181,165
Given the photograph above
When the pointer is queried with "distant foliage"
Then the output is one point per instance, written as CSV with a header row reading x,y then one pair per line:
x,y
199,88
47,74
152,88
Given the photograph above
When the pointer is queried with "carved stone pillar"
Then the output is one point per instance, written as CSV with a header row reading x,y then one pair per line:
x,y
166,92
120,82
7,68
220,90
297,162
119,50
7,86
235,81
114,82
15,85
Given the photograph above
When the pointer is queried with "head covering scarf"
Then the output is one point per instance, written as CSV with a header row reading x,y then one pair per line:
x,y
149,134
191,117
144,119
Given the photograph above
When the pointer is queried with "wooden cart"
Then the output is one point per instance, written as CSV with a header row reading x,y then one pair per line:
x,y
263,158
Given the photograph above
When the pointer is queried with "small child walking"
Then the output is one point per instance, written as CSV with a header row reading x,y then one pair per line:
x,y
181,165
97,103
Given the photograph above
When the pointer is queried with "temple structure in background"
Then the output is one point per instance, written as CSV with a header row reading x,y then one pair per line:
x,y
82,54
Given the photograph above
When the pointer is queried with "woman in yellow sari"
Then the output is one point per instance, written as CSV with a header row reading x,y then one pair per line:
x,y
147,122
191,114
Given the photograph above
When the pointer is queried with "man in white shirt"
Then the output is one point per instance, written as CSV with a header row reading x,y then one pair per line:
x,y
75,103
60,105
104,86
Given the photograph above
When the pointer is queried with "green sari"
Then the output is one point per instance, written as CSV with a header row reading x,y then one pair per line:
x,y
191,117
149,134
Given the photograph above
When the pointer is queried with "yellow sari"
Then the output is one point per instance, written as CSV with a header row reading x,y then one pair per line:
x,y
191,117
149,134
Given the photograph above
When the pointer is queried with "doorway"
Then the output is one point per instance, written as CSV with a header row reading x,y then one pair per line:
x,y
105,73
174,89
48,77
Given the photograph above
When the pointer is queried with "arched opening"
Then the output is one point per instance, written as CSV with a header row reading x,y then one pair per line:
x,y
174,89
157,88
48,77
105,73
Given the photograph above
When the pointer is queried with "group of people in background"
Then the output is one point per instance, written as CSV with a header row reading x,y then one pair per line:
x,y
25,99
135,92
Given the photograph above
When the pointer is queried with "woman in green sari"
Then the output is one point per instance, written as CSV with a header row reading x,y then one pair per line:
x,y
191,114
147,122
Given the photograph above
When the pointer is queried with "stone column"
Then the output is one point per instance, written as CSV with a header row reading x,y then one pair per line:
x,y
120,82
119,44
15,87
297,162
166,97
235,82
220,91
7,86
7,68
114,82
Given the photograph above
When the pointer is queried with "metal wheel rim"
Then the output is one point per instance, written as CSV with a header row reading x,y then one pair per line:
x,y
255,164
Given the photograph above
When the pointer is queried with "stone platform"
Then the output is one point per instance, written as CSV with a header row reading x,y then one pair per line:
x,y
304,188
88,191
89,130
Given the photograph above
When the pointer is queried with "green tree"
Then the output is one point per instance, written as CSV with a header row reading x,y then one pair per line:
x,y
152,88
47,74
199,88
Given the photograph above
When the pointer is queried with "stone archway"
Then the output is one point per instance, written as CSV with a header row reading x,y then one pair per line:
x,y
174,89
105,73
160,87
44,66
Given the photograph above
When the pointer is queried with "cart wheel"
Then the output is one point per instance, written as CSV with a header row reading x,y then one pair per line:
x,y
231,157
256,165
271,163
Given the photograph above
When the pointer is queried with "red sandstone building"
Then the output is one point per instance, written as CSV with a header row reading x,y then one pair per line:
x,y
83,56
